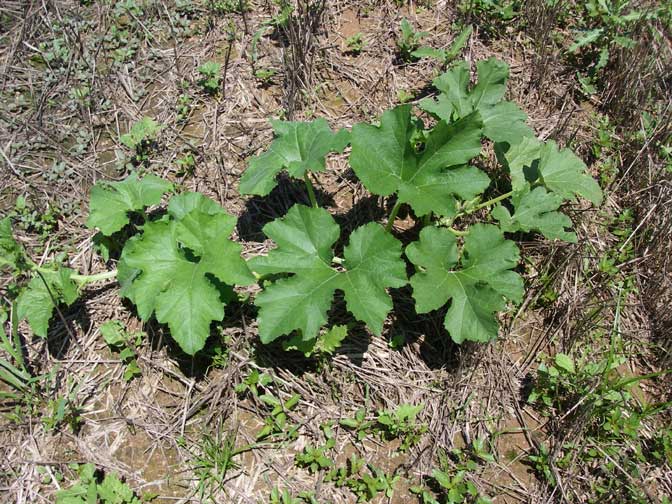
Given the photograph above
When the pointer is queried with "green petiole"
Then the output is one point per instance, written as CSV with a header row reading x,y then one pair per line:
x,y
82,279
393,215
311,191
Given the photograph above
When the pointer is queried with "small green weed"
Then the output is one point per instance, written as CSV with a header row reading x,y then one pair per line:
x,y
228,6
284,496
29,218
369,485
212,460
340,476
355,44
210,80
401,424
92,487
360,424
276,425
64,411
119,340
592,395
186,164
265,75
141,139
445,56
450,483
409,40
184,106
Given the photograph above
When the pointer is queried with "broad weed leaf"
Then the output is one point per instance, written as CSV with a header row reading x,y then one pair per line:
x,y
386,161
181,267
112,201
45,290
536,210
298,147
304,238
327,342
477,281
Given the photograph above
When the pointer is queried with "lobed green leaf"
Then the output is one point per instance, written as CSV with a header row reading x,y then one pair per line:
x,y
112,201
46,289
477,289
386,161
181,268
305,237
536,210
559,170
299,147
503,121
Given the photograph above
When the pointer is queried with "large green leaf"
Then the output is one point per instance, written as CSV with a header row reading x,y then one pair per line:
x,y
503,121
176,267
45,290
536,210
559,170
477,289
111,201
386,161
299,147
304,238
564,173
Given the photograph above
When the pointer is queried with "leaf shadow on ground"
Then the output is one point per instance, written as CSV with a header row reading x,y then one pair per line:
x,y
436,348
260,210
365,210
236,314
62,330
354,346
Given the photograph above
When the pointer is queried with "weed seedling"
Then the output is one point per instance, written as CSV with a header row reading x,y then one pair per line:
x,y
210,80
265,75
276,425
141,139
355,44
370,484
90,489
184,105
409,40
359,424
119,340
254,380
401,424
340,476
445,56
63,411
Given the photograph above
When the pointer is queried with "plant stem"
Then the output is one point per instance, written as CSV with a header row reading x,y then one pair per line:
x,y
427,219
393,215
311,191
83,279
98,277
491,202
457,232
